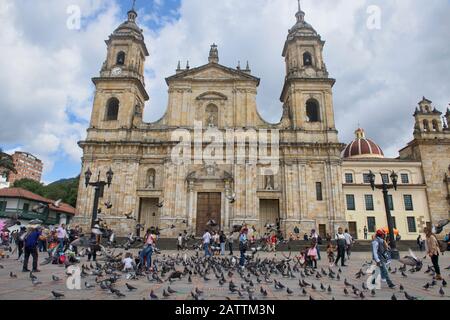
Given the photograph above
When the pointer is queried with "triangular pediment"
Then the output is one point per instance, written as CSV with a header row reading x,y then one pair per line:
x,y
212,72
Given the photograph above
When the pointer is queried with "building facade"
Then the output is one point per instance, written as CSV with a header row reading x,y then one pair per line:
x,y
27,167
218,104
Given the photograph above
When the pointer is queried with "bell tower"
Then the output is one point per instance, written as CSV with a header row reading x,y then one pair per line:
x,y
120,88
307,92
427,120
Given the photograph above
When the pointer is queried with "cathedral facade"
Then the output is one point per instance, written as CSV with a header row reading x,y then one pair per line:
x,y
299,180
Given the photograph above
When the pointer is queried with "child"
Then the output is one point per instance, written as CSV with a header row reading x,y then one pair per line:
x,y
302,258
312,254
330,253
128,263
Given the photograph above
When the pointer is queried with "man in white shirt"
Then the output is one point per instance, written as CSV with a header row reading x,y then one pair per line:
x,y
61,233
348,243
206,242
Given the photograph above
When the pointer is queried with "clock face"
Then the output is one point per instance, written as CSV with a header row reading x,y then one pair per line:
x,y
116,71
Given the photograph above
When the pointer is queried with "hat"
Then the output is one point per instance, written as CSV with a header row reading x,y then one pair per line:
x,y
380,233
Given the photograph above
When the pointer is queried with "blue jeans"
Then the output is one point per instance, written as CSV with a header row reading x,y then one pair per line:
x,y
222,249
61,244
206,249
242,259
384,273
318,252
146,252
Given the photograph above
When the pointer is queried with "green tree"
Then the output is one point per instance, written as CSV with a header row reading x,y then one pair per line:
x,y
30,185
6,164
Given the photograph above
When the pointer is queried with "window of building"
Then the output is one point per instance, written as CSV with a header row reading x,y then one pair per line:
x,y
212,116
120,58
348,178
350,202
405,178
307,59
391,202
369,202
371,225
312,111
366,178
112,110
385,178
319,194
26,207
408,202
3,205
426,126
411,224
435,125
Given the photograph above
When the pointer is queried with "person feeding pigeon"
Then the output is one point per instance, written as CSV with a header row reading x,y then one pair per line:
x,y
206,242
381,256
243,243
433,251
31,242
148,249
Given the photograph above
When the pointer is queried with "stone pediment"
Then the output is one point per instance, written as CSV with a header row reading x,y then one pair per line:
x,y
212,72
209,172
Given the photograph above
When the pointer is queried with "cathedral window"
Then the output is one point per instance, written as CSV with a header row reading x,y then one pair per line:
x,y
312,111
426,126
120,58
307,59
112,110
212,116
435,125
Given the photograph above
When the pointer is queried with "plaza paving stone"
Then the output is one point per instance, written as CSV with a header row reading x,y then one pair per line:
x,y
22,288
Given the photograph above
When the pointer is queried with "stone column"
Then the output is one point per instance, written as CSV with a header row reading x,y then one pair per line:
x,y
191,204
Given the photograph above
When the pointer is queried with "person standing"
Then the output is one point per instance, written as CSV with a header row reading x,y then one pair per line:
x,y
222,239
297,233
147,251
20,242
348,243
420,242
380,256
206,242
312,253
180,242
318,239
365,233
61,234
341,244
230,243
95,241
433,251
31,242
243,243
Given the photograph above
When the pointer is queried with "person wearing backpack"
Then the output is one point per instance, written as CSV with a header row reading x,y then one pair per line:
x,y
31,242
380,254
341,245
20,242
433,251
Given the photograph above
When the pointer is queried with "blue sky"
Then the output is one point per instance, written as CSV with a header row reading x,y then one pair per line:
x,y
46,90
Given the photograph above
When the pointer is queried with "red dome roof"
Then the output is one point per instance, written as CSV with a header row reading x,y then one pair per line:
x,y
362,147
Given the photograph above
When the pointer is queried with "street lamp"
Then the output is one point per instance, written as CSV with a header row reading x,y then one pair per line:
x,y
385,187
99,187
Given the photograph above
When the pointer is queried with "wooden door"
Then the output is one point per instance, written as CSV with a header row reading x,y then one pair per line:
x,y
352,229
269,212
149,213
323,230
208,208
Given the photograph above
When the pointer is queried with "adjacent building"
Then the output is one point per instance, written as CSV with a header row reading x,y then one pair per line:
x,y
27,167
18,203
318,184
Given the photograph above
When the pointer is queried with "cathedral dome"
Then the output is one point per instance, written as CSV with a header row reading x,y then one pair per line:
x,y
301,28
362,147
129,27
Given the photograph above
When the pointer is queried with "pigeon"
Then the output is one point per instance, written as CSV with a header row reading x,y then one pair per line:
x,y
190,279
35,281
346,291
313,287
444,283
412,261
57,295
130,287
88,285
347,284
160,205
361,295
108,205
165,294
407,296
153,296
401,288
170,290
404,274
427,286
441,292
304,292
12,275
119,294
373,293
55,278
393,298
329,289
322,287
199,292
289,291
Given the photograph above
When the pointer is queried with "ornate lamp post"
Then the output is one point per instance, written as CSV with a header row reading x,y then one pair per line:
x,y
99,187
385,187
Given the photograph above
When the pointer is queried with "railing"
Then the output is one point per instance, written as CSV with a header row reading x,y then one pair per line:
x,y
26,215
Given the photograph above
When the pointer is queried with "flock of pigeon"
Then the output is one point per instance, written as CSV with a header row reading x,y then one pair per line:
x,y
191,275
